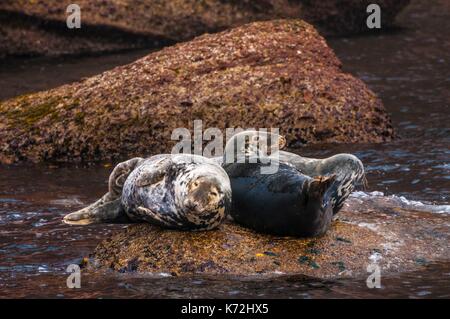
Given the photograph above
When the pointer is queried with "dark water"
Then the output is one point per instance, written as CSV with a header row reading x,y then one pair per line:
x,y
408,67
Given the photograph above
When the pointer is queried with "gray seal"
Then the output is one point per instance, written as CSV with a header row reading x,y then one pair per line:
x,y
346,169
185,192
299,199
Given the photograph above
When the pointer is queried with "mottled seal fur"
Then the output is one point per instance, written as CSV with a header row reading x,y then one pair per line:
x,y
185,192
299,199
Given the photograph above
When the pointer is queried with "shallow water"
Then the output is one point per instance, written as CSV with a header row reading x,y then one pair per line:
x,y
410,70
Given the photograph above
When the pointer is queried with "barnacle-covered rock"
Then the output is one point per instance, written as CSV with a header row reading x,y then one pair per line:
x,y
266,74
373,231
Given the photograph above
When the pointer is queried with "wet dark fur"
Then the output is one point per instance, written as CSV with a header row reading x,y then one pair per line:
x,y
285,203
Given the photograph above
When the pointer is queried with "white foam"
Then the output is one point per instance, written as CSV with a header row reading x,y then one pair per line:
x,y
164,274
402,202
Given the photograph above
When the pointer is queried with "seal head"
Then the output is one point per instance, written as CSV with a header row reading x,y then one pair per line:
x,y
203,193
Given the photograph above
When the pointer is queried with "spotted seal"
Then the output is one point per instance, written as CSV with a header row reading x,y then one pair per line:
x,y
299,199
186,192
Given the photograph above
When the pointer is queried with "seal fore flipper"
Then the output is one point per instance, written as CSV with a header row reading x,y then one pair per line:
x,y
150,178
108,208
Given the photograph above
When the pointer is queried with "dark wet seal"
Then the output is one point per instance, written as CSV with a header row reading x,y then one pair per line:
x,y
284,203
298,196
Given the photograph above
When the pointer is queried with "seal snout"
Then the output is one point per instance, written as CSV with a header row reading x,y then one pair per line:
x,y
204,194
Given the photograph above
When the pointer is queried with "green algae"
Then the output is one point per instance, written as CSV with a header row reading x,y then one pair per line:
x,y
307,260
28,114
79,118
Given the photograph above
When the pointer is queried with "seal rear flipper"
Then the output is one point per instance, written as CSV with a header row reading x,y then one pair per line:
x,y
318,212
99,212
319,186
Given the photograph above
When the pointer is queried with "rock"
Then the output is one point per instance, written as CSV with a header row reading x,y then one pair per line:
x,y
265,74
366,232
39,27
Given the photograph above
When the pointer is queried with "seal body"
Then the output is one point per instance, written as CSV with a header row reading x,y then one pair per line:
x,y
185,192
347,168
299,198
181,191
286,203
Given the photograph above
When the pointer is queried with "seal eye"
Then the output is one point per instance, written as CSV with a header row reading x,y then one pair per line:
x,y
213,193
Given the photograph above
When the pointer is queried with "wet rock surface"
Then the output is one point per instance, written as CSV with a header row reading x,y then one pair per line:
x,y
366,232
265,74
38,27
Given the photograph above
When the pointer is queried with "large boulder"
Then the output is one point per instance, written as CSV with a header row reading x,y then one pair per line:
x,y
373,230
265,74
38,27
